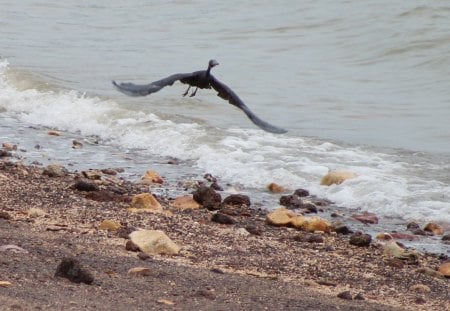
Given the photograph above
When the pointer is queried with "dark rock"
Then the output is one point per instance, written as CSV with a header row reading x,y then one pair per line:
x,y
419,231
130,246
420,300
253,229
217,270
237,200
412,225
207,293
395,263
210,178
310,238
216,186
360,239
71,269
109,171
86,185
301,192
341,228
207,197
291,201
444,238
222,219
345,295
4,153
310,207
4,215
143,256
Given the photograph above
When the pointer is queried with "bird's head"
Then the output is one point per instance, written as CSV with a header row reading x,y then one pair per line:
x,y
213,63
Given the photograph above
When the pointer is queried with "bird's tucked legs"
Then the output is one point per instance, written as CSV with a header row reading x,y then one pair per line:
x,y
187,91
193,93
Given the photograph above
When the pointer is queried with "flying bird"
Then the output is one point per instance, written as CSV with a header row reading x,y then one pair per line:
x,y
202,79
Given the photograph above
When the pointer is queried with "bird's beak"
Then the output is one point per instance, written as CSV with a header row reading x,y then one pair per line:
x,y
215,63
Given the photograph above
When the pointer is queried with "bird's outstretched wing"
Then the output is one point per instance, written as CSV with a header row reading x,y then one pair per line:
x,y
226,93
131,89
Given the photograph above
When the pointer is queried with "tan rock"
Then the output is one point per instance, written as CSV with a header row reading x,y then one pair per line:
x,y
430,272
109,225
392,249
92,174
298,221
145,201
336,177
445,269
435,228
5,284
314,224
280,217
152,177
420,288
165,302
54,170
9,147
54,133
35,212
275,188
154,242
139,271
185,202
384,236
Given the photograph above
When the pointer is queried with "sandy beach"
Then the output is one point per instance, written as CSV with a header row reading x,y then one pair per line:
x,y
244,265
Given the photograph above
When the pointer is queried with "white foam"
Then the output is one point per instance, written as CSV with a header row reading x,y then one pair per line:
x,y
252,158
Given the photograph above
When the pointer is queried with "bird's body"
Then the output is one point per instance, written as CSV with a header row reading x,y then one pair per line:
x,y
202,79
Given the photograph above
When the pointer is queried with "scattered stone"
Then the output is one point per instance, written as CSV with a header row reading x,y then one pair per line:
x,y
395,262
359,296
254,229
165,302
420,300
109,171
185,202
336,177
366,218
430,272
291,201
412,225
76,144
207,293
152,177
35,212
209,177
444,269
4,215
109,225
237,200
346,295
298,221
275,188
12,248
445,238
420,288
145,201
314,224
71,269
86,185
154,242
310,238
360,239
143,256
384,236
435,228
301,192
131,247
309,207
341,228
403,236
222,219
139,271
280,217
54,133
54,170
216,186
5,153
9,147
208,198
5,284
92,174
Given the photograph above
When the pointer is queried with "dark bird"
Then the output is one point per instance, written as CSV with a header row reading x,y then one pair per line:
x,y
202,79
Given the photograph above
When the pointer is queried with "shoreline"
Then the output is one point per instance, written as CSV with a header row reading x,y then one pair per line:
x,y
302,265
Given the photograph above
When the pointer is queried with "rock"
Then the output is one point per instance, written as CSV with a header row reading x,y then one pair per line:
x,y
5,283
86,185
54,133
430,272
346,295
301,192
222,219
109,225
254,229
392,249
395,262
403,236
275,188
310,238
154,242
145,201
131,247
366,218
216,186
4,215
165,302
420,288
143,256
35,212
12,248
92,174
76,144
71,269
152,177
435,228
412,225
54,170
359,296
336,177
445,269
237,200
314,224
9,147
139,271
341,228
420,300
360,239
445,238
280,217
208,198
4,153
291,201
206,293
384,236
298,221
185,202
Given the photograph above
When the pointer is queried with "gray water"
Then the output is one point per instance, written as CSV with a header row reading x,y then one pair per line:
x,y
359,86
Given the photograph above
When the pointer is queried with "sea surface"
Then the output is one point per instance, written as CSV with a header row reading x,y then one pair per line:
x,y
360,86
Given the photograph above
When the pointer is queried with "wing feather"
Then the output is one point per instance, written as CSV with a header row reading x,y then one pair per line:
x,y
228,94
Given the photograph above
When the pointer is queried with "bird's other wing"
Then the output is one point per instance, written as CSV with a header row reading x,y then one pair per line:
x,y
226,93
132,89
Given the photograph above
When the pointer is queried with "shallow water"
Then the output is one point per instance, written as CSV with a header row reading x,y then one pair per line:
x,y
358,87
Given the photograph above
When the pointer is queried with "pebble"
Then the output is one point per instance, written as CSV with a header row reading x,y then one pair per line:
x,y
275,188
420,288
185,202
139,271
145,201
35,212
291,201
86,185
154,242
360,239
336,177
54,170
4,215
110,225
366,218
208,198
445,269
434,228
237,200
346,295
70,268
130,246
222,219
